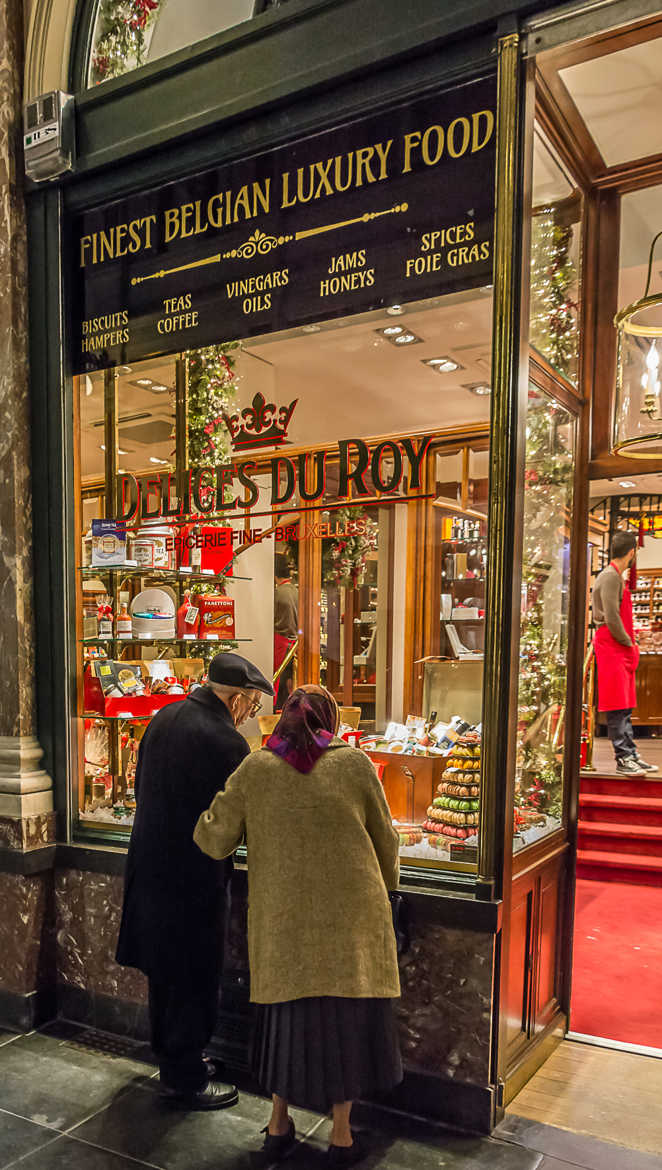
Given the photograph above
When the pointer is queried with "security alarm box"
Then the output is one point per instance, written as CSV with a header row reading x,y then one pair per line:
x,y
48,136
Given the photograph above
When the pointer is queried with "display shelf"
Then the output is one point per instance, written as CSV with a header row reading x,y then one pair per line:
x,y
126,718
161,641
168,574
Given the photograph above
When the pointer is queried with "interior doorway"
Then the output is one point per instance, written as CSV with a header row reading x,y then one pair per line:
x,y
617,945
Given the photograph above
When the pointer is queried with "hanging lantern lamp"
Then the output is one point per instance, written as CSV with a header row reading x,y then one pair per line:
x,y
637,431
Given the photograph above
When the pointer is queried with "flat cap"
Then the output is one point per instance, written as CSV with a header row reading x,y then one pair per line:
x,y
231,670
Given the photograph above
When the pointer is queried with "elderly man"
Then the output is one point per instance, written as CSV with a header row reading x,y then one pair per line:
x,y
175,896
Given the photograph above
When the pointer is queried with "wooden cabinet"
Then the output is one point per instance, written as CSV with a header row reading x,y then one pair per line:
x,y
648,712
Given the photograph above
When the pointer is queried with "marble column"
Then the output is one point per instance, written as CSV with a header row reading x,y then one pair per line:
x,y
26,800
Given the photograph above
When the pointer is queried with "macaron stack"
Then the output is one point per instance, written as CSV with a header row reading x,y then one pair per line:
x,y
455,811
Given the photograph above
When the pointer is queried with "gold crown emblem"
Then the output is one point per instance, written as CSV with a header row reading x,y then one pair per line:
x,y
262,424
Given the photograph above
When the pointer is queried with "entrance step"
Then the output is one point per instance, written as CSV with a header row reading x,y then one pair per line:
x,y
642,840
615,785
630,808
622,867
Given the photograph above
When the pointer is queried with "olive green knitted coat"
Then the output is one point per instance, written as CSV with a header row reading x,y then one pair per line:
x,y
322,853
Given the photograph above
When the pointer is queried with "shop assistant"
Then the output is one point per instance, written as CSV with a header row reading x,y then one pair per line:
x,y
175,895
617,654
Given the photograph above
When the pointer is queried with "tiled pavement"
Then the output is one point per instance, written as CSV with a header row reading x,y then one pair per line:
x,y
67,1103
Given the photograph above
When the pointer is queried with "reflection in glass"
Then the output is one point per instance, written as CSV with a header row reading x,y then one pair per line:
x,y
548,506
555,262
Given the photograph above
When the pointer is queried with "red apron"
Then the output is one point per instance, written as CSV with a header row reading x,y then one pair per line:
x,y
281,648
616,663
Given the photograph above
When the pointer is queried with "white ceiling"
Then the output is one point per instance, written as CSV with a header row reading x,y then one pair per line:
x,y
649,484
619,96
350,382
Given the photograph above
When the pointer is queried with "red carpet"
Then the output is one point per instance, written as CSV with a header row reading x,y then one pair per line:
x,y
617,966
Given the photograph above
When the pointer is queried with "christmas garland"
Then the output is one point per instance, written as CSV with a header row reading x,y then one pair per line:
x,y
121,37
553,317
549,470
346,557
211,390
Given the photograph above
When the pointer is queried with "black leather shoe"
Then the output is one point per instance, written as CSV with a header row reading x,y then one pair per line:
x,y
213,1095
346,1155
278,1146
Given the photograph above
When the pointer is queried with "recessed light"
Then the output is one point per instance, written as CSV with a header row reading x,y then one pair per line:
x,y
398,336
143,381
395,310
442,365
310,328
486,289
626,483
153,459
157,386
124,370
102,447
479,388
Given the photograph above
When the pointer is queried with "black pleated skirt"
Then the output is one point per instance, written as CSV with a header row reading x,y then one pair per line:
x,y
322,1051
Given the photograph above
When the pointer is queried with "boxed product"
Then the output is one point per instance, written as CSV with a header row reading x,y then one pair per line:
x,y
216,616
108,543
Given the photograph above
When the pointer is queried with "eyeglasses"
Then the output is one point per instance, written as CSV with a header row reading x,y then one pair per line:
x,y
256,706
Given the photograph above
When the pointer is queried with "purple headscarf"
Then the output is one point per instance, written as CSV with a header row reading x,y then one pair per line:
x,y
308,723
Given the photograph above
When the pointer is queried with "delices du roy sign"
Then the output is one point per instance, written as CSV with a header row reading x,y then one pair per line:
x,y
396,207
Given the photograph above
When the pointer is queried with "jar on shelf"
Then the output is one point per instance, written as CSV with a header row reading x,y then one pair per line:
x,y
153,547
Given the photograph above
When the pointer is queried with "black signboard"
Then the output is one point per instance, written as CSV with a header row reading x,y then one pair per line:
x,y
391,208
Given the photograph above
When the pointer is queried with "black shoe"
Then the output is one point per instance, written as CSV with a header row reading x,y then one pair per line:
x,y
278,1146
346,1155
213,1095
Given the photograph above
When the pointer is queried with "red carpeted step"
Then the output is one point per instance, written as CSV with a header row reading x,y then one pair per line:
x,y
644,840
615,785
633,810
600,864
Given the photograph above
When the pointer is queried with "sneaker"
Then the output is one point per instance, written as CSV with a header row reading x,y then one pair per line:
x,y
643,764
629,766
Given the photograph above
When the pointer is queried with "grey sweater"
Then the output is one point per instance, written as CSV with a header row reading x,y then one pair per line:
x,y
607,597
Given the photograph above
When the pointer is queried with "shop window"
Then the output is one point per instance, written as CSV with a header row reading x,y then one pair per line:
x,y
369,502
548,515
130,33
556,243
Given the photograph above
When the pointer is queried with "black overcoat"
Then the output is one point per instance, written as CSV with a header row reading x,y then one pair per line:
x,y
174,894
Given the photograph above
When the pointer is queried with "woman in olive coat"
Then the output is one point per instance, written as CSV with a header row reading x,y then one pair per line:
x,y
322,855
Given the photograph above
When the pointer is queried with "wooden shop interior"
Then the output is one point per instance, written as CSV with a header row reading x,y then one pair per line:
x,y
597,102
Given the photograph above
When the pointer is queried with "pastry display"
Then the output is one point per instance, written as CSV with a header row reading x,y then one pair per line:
x,y
455,811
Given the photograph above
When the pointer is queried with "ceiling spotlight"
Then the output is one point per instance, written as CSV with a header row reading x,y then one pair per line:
x,y
153,459
157,386
102,447
143,381
626,483
398,336
486,289
124,370
479,388
395,310
442,365
310,328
